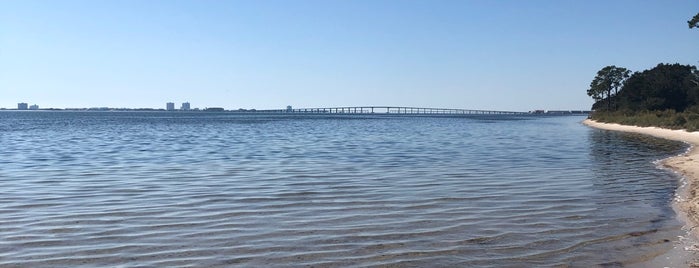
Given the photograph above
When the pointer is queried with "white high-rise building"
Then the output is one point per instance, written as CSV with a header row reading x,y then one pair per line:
x,y
34,107
170,106
185,106
22,106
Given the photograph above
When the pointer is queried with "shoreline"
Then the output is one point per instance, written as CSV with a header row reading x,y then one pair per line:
x,y
686,204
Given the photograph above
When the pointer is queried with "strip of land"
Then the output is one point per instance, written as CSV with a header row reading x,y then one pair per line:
x,y
686,164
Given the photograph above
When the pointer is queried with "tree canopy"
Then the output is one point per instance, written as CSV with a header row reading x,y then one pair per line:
x,y
664,96
664,87
694,22
608,79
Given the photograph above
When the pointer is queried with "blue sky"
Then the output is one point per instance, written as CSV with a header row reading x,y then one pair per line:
x,y
500,55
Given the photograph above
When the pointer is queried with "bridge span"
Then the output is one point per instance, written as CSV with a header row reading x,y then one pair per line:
x,y
399,110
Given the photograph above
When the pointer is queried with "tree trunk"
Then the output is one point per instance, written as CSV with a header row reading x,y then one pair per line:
x,y
616,100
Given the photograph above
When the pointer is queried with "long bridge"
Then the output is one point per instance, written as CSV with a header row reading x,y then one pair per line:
x,y
405,111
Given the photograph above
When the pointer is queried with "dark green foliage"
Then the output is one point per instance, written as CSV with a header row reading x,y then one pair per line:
x,y
694,22
608,79
665,96
667,86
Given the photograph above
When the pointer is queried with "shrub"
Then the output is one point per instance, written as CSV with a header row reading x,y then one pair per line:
x,y
671,119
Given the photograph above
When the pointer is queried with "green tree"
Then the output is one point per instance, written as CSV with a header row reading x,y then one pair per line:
x,y
694,22
665,87
596,90
607,83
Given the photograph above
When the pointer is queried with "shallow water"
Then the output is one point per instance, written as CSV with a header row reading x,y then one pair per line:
x,y
215,189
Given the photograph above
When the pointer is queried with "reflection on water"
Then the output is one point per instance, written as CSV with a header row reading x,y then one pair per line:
x,y
202,189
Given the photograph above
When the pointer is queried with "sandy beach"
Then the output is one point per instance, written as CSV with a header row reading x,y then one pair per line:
x,y
686,164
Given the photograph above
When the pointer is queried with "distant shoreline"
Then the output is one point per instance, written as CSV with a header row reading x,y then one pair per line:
x,y
326,110
330,112
686,164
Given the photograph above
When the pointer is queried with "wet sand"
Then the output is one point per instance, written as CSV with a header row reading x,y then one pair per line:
x,y
686,164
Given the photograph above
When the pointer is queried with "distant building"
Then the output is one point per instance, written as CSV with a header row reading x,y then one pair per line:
x,y
185,106
22,106
214,109
289,109
170,106
34,107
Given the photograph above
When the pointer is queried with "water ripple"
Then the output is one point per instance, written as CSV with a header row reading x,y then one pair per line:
x,y
208,190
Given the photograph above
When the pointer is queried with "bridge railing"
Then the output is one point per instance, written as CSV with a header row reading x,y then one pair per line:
x,y
390,110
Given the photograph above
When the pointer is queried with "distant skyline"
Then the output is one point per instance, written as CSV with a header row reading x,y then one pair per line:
x,y
491,55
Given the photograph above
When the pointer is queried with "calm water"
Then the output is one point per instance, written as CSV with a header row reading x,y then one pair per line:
x,y
206,189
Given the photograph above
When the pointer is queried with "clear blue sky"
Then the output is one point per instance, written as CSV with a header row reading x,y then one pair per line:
x,y
502,55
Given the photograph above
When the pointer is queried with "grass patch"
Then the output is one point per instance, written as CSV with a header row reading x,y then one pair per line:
x,y
688,120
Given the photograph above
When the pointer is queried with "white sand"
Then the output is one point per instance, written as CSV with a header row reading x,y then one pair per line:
x,y
686,164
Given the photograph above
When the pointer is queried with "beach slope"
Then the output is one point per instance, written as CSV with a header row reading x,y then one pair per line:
x,y
686,164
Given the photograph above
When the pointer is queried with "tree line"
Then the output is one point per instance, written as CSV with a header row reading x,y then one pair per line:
x,y
664,87
666,95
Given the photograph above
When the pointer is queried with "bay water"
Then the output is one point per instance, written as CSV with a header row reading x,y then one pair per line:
x,y
198,189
